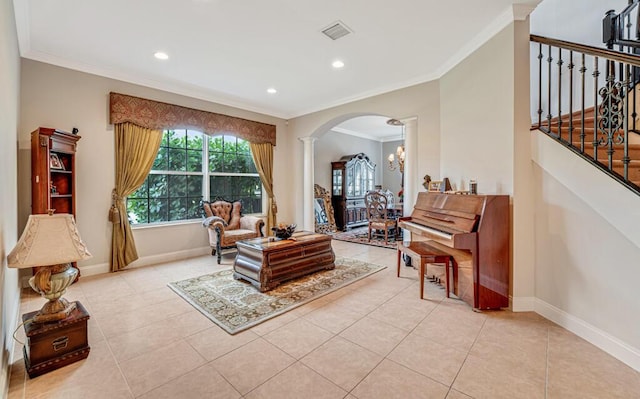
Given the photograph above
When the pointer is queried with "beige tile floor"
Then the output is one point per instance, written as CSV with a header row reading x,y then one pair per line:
x,y
372,339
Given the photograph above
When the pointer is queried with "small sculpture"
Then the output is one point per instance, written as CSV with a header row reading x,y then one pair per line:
x,y
427,180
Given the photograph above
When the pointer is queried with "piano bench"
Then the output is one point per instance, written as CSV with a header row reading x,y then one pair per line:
x,y
427,254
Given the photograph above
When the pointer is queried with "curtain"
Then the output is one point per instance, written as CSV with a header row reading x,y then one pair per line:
x,y
263,158
136,149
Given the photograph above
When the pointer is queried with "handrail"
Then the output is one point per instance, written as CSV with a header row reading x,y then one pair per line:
x,y
588,97
627,58
616,28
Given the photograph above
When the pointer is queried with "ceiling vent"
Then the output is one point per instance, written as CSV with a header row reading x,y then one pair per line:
x,y
336,30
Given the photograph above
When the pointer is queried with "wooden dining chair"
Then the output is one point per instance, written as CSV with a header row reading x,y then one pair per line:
x,y
378,216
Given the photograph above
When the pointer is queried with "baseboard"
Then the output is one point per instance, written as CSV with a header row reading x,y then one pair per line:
x,y
603,340
169,257
522,304
101,268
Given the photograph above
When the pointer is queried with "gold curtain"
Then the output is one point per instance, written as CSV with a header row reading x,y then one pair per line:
x,y
136,149
263,158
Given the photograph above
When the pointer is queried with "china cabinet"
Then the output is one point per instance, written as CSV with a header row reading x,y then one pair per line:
x,y
352,176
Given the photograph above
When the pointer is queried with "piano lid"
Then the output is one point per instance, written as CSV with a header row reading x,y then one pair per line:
x,y
449,213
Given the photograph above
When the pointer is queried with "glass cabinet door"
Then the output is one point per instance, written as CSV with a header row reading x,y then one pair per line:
x,y
337,182
358,179
370,179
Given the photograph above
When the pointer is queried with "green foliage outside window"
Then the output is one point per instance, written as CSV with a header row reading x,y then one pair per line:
x,y
168,195
233,175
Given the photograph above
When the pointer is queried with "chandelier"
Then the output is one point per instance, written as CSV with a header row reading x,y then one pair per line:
x,y
396,161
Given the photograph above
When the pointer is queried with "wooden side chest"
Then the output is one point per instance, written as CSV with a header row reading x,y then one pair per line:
x,y
50,346
266,263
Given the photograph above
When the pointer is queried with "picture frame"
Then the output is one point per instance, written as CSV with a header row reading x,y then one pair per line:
x,y
434,185
324,218
55,163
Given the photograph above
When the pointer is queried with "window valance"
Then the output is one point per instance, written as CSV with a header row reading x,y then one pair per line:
x,y
158,115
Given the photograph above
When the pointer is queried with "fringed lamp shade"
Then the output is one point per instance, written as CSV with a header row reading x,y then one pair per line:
x,y
51,242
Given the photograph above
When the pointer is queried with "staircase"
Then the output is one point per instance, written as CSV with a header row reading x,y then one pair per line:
x,y
604,85
584,145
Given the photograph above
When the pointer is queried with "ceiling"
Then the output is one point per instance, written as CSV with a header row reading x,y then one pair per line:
x,y
231,51
370,127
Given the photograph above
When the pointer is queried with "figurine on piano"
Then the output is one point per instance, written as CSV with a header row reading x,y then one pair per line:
x,y
425,183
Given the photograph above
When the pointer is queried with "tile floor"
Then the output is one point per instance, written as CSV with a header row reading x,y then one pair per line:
x,y
372,339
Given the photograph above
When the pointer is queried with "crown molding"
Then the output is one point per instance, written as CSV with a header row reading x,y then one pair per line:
x,y
164,85
21,10
509,15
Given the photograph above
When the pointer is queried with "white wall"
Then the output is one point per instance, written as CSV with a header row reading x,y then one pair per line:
x,y
476,118
61,98
9,97
333,146
587,250
391,179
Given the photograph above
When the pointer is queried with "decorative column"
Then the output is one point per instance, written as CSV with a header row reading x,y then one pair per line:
x,y
410,190
307,186
410,164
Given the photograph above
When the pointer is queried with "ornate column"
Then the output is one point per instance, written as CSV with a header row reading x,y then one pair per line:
x,y
307,186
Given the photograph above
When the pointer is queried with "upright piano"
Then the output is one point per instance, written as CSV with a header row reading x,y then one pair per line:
x,y
474,229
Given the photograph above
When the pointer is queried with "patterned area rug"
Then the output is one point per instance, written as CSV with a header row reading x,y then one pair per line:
x,y
236,305
360,236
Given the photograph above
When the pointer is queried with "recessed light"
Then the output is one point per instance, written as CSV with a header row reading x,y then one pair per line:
x,y
161,56
337,64
271,90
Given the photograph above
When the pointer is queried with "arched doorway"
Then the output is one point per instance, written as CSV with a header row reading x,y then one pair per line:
x,y
310,164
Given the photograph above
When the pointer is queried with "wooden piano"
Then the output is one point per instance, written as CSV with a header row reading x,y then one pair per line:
x,y
474,229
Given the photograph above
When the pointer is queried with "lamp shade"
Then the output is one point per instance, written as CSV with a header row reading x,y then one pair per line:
x,y
48,240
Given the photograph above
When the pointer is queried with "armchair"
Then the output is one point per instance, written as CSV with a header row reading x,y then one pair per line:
x,y
226,225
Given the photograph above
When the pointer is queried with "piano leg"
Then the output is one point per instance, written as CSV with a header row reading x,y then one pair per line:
x,y
422,267
454,265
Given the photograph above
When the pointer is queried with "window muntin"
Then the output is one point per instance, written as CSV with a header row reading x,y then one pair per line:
x,y
232,173
178,181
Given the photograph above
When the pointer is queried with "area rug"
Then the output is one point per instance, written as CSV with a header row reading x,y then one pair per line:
x,y
360,235
236,305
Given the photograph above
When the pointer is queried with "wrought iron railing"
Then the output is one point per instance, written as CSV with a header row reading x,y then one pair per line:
x,y
587,100
623,30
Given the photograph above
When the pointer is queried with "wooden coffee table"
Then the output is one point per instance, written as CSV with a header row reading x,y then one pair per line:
x,y
265,262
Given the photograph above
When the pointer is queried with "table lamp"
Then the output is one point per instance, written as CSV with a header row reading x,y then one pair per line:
x,y
50,242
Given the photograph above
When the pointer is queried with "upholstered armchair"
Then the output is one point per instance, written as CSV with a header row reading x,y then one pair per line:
x,y
226,225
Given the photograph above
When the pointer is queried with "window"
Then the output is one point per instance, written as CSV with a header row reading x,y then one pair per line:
x,y
232,173
191,166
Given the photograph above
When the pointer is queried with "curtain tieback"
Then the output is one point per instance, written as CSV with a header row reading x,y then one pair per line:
x,y
114,213
115,197
274,205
